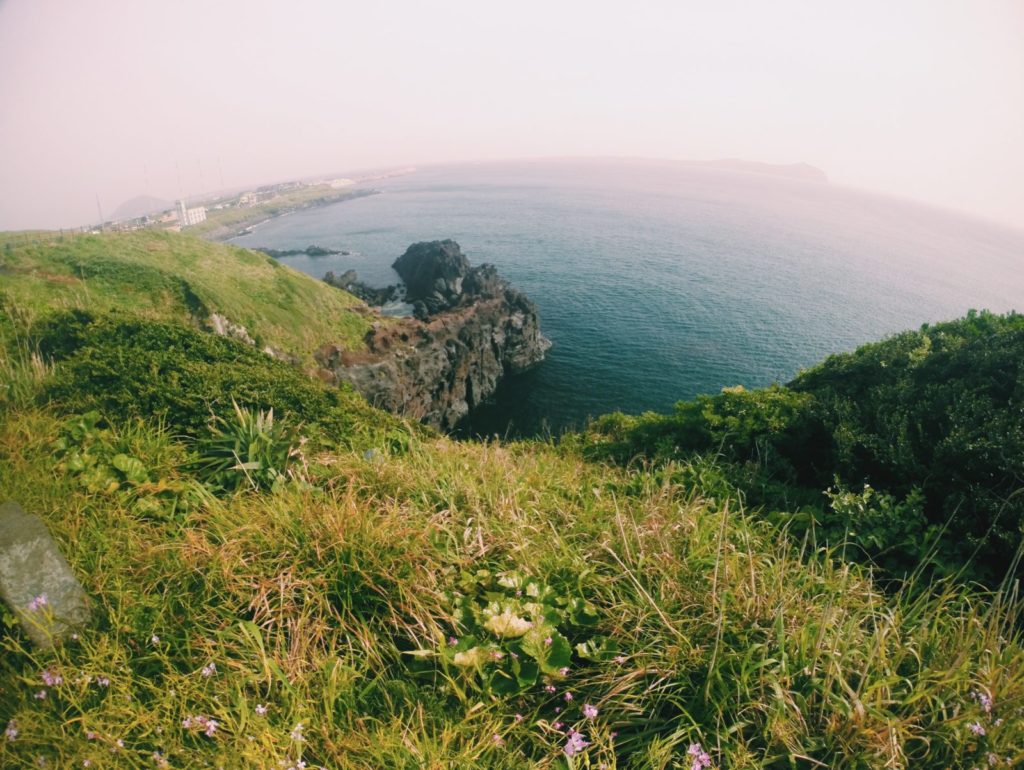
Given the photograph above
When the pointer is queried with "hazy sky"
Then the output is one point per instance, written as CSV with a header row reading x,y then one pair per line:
x,y
918,98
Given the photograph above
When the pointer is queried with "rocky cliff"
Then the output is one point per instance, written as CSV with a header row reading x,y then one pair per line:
x,y
470,329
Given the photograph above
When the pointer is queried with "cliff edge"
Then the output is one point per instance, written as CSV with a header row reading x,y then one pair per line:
x,y
470,328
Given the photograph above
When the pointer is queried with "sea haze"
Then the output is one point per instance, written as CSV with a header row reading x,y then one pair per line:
x,y
659,281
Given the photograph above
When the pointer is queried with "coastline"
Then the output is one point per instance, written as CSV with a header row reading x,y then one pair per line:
x,y
223,229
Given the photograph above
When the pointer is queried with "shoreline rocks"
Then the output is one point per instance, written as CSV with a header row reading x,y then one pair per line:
x,y
471,328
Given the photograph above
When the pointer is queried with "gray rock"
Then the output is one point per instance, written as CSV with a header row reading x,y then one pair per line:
x,y
36,580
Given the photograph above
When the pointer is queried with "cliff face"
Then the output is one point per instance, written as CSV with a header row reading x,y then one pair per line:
x,y
471,329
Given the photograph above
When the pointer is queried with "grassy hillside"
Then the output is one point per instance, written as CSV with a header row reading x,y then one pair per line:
x,y
323,585
179,278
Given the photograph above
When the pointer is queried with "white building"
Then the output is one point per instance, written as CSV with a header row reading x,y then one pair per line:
x,y
188,217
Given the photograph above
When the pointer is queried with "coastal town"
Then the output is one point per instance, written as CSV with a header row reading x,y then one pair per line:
x,y
223,215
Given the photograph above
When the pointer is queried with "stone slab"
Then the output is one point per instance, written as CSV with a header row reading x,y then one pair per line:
x,y
36,581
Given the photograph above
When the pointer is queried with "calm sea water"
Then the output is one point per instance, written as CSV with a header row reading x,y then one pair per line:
x,y
659,281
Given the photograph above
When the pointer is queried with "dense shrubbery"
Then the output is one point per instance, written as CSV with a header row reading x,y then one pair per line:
x,y
932,420
127,366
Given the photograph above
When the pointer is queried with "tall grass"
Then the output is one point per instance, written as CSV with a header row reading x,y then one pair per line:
x,y
330,605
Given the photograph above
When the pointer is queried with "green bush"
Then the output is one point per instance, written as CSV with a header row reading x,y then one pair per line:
x,y
188,379
931,420
250,450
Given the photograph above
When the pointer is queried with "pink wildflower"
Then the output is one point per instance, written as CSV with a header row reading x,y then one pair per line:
x,y
261,709
38,603
41,695
575,744
12,730
51,679
589,711
209,670
701,760
548,641
568,697
976,728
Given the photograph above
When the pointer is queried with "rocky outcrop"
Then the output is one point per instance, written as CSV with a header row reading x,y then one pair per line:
x,y
472,329
349,281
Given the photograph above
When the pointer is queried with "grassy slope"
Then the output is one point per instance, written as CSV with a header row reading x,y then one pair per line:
x,y
179,277
310,601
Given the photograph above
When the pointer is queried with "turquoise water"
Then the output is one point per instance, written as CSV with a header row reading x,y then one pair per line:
x,y
659,281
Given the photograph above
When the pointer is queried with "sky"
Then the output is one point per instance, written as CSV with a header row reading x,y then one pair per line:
x,y
104,100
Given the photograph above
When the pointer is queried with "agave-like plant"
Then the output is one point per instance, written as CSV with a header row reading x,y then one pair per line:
x,y
253,449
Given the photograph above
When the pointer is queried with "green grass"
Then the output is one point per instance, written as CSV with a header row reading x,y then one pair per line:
x,y
331,603
179,277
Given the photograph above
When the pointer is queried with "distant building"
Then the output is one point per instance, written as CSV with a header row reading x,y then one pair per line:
x,y
188,217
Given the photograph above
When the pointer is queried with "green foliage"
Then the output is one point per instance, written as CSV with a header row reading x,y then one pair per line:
x,y
128,366
930,420
130,465
512,632
251,450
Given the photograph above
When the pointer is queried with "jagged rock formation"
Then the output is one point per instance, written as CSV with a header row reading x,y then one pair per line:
x,y
349,281
472,328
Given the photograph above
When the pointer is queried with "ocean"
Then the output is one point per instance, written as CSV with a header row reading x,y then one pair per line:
x,y
658,281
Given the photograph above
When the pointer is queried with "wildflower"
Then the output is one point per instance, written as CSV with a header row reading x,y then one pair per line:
x,y
589,711
548,641
575,743
550,688
103,681
296,734
41,695
564,671
154,640
86,763
12,730
497,740
452,641
261,709
558,725
497,655
976,728
187,723
209,670
568,697
91,736
160,760
518,717
993,759
211,727
120,743
984,700
38,603
701,760
51,679
620,659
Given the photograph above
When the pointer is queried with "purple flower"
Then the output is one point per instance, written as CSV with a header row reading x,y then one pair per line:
x,y
518,717
12,730
452,641
51,679
261,709
209,670
701,760
589,711
41,695
296,734
984,700
976,728
568,697
211,727
550,688
38,603
575,743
